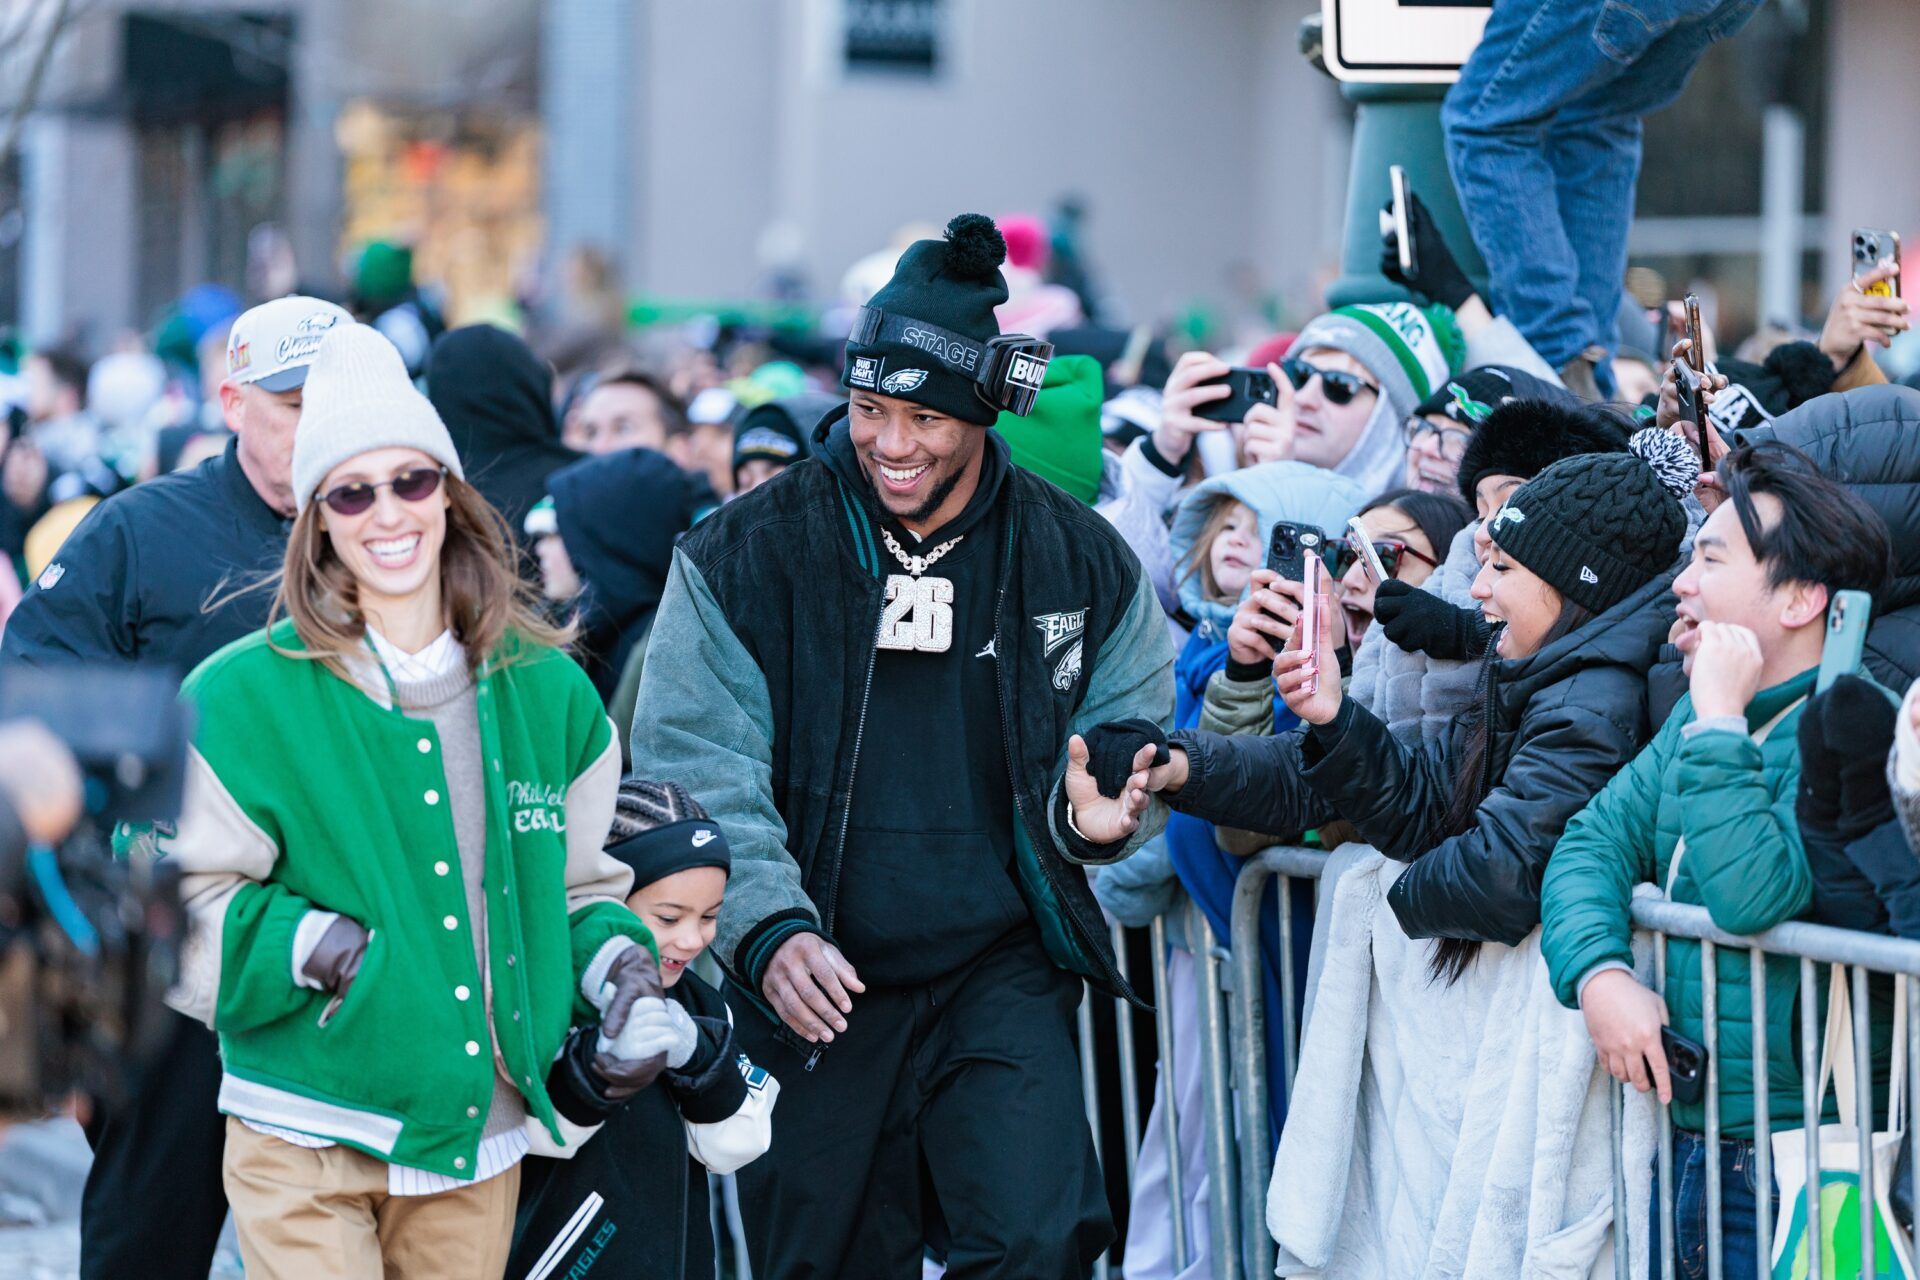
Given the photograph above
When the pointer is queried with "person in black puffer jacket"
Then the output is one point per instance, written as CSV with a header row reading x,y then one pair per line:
x,y
1580,553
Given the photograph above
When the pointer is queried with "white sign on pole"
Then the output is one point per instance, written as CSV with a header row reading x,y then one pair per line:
x,y
1401,41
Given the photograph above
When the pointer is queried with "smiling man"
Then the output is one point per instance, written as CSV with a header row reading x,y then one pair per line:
x,y
870,670
1717,784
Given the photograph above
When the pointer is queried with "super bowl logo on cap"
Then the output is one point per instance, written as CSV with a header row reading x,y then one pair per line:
x,y
1027,371
865,372
902,380
239,357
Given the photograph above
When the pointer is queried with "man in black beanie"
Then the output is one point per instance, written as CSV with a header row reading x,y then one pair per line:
x,y
875,670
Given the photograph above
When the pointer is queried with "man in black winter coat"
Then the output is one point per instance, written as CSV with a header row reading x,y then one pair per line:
x,y
157,575
496,398
876,670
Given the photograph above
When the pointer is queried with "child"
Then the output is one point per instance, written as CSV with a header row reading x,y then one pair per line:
x,y
625,1198
1219,539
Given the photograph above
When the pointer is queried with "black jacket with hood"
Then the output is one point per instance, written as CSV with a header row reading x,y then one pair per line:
x,y
759,680
496,398
1563,721
619,515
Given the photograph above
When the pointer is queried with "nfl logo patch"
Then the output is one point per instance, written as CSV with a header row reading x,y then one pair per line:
x,y
51,575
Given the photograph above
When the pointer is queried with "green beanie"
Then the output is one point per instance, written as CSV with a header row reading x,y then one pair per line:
x,y
1059,440
383,275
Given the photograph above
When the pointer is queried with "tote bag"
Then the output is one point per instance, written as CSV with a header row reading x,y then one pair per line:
x,y
1842,1155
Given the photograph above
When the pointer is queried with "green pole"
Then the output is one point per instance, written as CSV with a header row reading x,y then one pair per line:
x,y
1396,124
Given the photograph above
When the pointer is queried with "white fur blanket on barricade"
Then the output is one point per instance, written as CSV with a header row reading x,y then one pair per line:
x,y
1446,1132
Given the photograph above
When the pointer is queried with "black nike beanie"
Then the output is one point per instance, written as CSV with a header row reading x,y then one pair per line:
x,y
955,284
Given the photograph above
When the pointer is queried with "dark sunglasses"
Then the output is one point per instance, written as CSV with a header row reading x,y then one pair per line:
x,y
1388,549
416,485
1341,388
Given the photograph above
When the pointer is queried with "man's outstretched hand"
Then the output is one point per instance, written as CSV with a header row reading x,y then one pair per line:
x,y
807,982
1104,819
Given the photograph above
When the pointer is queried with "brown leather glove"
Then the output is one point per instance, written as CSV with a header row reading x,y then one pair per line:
x,y
336,958
631,975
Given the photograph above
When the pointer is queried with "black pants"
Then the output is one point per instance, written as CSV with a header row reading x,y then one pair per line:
x,y
154,1204
952,1112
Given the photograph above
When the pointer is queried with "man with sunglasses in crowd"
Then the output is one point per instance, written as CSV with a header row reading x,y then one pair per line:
x,y
874,670
156,576
1348,384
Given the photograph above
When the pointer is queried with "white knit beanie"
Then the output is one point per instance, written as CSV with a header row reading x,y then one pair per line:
x,y
358,399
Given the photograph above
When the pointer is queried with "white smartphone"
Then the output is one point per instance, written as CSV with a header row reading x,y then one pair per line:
x,y
1402,222
1362,543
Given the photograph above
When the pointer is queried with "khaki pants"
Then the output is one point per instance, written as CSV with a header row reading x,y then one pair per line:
x,y
305,1213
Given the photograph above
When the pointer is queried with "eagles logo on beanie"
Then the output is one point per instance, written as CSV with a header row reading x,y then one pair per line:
x,y
951,284
1600,526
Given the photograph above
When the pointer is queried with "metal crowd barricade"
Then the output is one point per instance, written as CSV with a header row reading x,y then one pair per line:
x,y
1843,951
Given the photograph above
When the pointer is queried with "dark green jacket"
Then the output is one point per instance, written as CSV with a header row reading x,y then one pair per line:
x,y
1733,801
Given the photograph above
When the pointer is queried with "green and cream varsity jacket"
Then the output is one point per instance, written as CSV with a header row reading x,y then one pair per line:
x,y
305,792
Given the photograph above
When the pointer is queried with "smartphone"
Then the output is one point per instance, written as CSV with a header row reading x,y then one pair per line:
x,y
1870,245
1308,628
1696,349
1686,391
1362,543
1246,388
1686,1066
1847,616
1289,546
1403,220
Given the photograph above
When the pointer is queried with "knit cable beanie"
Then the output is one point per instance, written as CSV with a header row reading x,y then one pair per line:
x,y
358,399
1598,527
954,284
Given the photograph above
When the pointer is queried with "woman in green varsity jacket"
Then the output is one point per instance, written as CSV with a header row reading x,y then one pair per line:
x,y
391,852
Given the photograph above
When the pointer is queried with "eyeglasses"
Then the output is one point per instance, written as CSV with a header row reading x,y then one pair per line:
x,y
1388,549
416,485
1340,387
1453,440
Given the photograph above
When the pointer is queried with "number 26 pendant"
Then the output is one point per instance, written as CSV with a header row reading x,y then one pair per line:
x,y
918,615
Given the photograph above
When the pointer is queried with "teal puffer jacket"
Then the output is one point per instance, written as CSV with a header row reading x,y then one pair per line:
x,y
1732,799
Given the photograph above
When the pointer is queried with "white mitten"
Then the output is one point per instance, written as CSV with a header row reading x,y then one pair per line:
x,y
655,1025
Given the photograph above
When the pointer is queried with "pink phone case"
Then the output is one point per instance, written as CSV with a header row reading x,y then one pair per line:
x,y
1310,623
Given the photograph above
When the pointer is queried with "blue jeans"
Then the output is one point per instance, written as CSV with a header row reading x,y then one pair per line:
x,y
1543,140
1740,1256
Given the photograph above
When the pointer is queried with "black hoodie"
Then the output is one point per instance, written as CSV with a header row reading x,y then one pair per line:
x,y
619,515
496,398
927,884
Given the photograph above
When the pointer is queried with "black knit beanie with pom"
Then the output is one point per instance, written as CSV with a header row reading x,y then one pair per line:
x,y
954,284
1599,527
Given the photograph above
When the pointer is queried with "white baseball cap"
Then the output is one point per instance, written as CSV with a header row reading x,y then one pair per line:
x,y
272,344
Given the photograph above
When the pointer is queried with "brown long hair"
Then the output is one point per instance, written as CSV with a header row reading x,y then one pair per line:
x,y
485,600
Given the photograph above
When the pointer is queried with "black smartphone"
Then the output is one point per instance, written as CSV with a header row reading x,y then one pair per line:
x,y
1289,546
1686,1066
1246,388
1403,220
1686,392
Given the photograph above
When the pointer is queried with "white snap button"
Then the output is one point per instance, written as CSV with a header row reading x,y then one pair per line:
x,y
473,1113
516,1015
433,797
509,962
451,923
459,1162
461,992
473,1048
426,745
441,868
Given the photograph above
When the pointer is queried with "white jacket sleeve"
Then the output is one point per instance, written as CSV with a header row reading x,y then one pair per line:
x,y
744,1136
